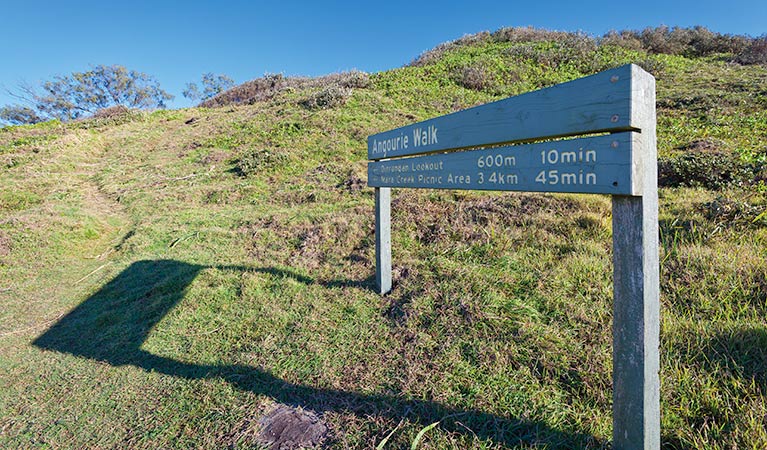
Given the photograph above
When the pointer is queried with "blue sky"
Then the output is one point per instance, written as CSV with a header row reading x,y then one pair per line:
x,y
178,41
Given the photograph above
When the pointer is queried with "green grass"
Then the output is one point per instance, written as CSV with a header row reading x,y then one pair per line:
x,y
164,281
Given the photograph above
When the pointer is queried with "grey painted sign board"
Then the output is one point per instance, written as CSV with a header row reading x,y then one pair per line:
x,y
595,165
469,150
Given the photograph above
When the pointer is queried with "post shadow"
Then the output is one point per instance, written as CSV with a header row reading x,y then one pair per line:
x,y
112,324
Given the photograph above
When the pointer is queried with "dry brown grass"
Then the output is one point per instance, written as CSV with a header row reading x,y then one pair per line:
x,y
5,244
335,239
469,220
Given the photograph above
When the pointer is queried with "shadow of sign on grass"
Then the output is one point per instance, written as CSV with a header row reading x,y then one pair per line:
x,y
741,351
112,324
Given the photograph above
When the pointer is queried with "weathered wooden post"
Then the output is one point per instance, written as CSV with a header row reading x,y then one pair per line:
x,y
636,289
610,120
383,240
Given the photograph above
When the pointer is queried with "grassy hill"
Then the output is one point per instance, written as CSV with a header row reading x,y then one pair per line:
x,y
166,278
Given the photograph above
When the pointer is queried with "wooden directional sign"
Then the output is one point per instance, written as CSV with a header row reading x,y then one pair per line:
x,y
470,150
597,165
599,103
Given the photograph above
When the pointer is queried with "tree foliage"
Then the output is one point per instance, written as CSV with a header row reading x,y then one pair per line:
x,y
19,114
212,85
82,94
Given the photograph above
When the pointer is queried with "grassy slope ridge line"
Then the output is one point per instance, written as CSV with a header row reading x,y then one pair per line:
x,y
167,277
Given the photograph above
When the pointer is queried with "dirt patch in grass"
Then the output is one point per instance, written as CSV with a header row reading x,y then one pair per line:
x,y
287,428
704,145
353,183
5,244
215,156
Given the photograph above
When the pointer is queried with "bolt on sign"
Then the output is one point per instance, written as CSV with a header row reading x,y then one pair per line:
x,y
593,135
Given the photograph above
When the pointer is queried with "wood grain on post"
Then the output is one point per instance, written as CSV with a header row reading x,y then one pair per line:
x,y
636,304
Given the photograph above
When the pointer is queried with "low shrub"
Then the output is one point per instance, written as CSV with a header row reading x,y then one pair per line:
x,y
691,42
433,55
652,65
330,97
529,34
267,87
627,39
477,77
665,40
711,169
574,48
254,160
696,41
112,112
258,90
755,53
734,212
114,115
354,79
703,42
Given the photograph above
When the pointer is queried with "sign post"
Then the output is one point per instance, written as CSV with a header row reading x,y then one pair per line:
x,y
636,292
383,239
593,135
